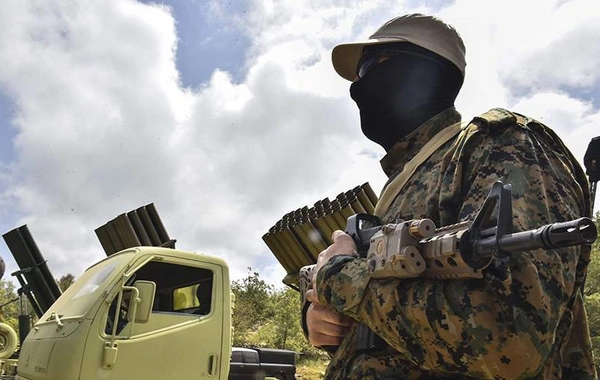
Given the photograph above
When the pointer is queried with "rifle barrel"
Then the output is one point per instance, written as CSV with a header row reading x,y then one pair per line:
x,y
555,235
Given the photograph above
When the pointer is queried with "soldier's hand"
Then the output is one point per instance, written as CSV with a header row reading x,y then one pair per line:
x,y
325,326
342,245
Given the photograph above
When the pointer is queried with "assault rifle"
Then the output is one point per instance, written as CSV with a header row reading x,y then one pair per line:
x,y
461,251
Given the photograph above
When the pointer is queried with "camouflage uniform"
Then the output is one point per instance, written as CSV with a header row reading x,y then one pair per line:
x,y
522,320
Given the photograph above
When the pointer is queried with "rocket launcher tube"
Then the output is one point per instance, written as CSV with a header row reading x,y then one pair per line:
x,y
364,200
300,235
332,223
307,245
273,244
323,228
346,209
357,206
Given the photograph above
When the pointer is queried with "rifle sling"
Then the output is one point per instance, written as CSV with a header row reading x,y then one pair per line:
x,y
390,192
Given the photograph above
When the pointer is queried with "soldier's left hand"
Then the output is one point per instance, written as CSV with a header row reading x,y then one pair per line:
x,y
342,245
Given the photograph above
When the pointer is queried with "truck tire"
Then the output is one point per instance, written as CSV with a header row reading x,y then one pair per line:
x,y
8,341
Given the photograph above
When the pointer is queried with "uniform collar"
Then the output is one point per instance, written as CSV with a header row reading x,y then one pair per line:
x,y
406,148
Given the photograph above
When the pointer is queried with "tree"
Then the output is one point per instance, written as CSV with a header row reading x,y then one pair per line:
x,y
252,306
592,284
9,313
596,245
283,330
592,296
65,281
268,317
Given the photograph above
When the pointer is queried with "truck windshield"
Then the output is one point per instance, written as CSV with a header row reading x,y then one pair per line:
x,y
80,296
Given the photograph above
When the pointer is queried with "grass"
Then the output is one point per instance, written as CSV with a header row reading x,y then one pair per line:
x,y
311,369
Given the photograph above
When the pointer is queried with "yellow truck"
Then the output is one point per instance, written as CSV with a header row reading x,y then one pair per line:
x,y
145,312
127,317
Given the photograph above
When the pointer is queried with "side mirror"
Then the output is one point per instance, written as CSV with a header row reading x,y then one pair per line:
x,y
145,300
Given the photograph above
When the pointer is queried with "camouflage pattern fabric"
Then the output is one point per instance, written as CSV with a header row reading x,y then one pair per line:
x,y
524,319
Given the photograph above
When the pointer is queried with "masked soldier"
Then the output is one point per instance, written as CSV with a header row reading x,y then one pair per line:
x,y
525,317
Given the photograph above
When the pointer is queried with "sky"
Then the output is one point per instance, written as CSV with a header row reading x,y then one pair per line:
x,y
228,114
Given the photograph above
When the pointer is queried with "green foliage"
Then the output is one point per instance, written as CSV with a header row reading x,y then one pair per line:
x,y
592,296
592,307
592,281
268,317
308,368
284,329
65,281
9,313
253,307
596,245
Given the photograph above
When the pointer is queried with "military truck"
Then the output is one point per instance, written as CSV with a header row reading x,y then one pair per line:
x,y
146,312
252,363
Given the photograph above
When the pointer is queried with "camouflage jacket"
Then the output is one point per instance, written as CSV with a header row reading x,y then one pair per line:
x,y
526,320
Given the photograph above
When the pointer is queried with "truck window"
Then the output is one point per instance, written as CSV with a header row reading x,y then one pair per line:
x,y
179,289
79,298
195,298
96,279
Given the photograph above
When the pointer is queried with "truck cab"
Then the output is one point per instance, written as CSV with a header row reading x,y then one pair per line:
x,y
142,313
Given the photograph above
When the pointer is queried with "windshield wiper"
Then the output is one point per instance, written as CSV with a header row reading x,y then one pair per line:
x,y
55,317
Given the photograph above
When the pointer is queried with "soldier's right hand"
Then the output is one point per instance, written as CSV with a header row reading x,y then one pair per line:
x,y
325,326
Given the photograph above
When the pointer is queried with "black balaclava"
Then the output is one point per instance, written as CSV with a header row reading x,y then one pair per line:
x,y
402,92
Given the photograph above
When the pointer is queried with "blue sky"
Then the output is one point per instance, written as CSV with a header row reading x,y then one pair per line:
x,y
207,41
7,112
209,108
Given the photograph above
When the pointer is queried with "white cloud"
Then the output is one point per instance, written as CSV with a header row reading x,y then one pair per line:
x,y
97,92
104,125
560,48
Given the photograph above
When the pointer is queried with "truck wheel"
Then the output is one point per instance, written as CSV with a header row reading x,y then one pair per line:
x,y
8,341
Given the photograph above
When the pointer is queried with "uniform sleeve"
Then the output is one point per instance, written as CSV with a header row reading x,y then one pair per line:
x,y
506,324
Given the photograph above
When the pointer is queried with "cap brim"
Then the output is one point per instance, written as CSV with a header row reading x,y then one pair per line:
x,y
345,57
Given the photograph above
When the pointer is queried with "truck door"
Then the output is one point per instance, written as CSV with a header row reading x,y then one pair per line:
x,y
183,337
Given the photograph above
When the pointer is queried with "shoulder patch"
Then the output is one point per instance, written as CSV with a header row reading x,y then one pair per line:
x,y
495,118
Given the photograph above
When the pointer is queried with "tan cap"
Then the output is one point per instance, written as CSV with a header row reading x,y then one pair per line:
x,y
428,32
